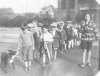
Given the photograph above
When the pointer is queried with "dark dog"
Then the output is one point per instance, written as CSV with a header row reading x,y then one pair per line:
x,y
7,61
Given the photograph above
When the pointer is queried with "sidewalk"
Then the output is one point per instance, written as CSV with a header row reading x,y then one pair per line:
x,y
75,55
65,65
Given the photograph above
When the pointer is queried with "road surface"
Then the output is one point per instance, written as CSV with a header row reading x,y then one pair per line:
x,y
65,65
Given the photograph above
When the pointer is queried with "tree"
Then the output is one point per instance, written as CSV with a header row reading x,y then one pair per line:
x,y
47,15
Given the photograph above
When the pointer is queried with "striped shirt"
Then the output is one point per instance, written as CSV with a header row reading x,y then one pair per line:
x,y
88,32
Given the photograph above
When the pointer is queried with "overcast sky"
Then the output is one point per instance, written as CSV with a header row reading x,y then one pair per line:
x,y
21,6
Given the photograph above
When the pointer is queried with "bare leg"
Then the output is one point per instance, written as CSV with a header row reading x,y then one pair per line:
x,y
69,44
84,58
72,43
49,56
26,55
44,59
55,54
65,46
89,58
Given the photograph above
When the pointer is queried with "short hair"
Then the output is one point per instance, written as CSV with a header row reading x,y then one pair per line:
x,y
22,27
88,15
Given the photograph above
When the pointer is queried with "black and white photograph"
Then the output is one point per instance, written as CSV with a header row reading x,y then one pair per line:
x,y
49,37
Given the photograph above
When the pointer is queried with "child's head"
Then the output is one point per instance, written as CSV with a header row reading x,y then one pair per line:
x,y
22,27
88,17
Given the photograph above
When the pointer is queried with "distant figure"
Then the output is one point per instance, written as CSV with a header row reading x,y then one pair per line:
x,y
47,39
69,34
61,36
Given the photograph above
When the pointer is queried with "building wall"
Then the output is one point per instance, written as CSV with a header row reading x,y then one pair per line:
x,y
66,4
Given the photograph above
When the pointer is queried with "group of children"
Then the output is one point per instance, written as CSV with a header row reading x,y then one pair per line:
x,y
57,37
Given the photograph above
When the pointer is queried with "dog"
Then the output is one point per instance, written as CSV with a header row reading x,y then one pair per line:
x,y
7,60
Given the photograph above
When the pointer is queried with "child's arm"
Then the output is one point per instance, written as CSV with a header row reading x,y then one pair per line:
x,y
33,42
20,41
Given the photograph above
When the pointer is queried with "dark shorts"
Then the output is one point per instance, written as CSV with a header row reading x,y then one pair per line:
x,y
86,45
55,43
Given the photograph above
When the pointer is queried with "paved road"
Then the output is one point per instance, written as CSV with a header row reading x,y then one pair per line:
x,y
64,65
61,67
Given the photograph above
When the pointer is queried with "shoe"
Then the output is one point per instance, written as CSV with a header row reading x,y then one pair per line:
x,y
89,64
30,63
27,69
26,66
83,65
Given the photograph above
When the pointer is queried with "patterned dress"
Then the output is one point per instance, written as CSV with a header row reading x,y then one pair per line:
x,y
88,35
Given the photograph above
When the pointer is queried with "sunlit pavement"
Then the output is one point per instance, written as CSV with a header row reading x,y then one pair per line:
x,y
60,67
67,65
98,74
